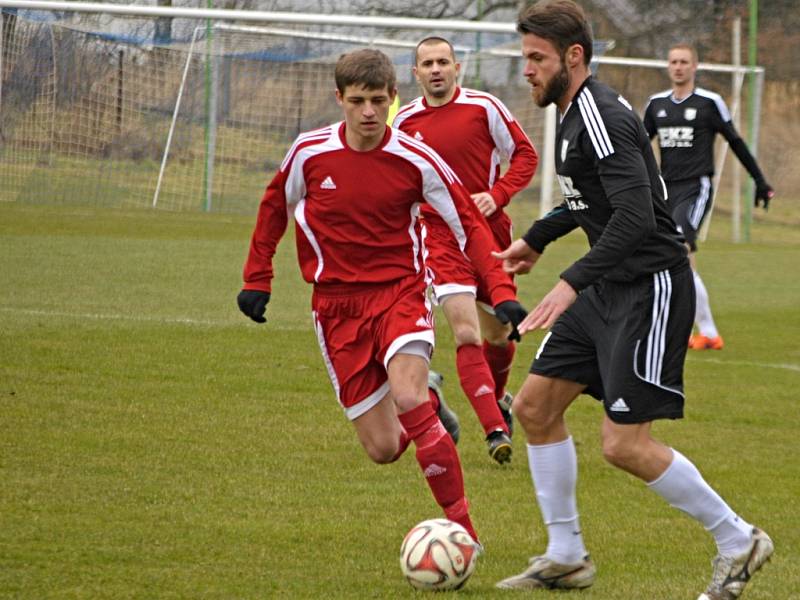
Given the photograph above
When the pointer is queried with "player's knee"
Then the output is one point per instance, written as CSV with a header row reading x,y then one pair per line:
x,y
407,400
465,334
382,451
534,414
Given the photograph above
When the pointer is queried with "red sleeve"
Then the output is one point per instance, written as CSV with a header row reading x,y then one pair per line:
x,y
271,224
444,192
522,164
479,248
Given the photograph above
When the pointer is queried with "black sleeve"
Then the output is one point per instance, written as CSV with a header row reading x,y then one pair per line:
x,y
748,160
558,222
626,183
738,146
632,221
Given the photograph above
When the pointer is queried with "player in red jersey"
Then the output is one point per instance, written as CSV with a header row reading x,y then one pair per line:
x,y
473,131
355,188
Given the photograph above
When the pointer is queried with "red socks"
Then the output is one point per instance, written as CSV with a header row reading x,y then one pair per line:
x,y
438,459
499,359
479,386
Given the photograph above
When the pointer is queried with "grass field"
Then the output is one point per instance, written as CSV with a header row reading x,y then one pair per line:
x,y
156,444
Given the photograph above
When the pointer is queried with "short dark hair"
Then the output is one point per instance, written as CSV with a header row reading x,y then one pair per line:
x,y
430,40
561,22
367,67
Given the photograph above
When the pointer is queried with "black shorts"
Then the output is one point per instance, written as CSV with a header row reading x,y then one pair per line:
x,y
689,201
627,343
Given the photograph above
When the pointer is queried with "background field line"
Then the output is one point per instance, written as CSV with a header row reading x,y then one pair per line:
x,y
747,363
234,322
144,318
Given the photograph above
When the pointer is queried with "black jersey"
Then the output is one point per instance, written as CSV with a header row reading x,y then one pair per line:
x,y
612,190
686,130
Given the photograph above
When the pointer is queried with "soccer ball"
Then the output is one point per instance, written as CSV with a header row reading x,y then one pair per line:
x,y
438,554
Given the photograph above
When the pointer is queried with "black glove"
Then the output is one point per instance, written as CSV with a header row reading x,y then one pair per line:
x,y
512,312
764,193
253,303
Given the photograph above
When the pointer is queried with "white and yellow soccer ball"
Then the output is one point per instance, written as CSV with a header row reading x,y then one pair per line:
x,y
438,554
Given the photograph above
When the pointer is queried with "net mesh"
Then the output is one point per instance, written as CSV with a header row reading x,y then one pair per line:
x,y
107,111
86,115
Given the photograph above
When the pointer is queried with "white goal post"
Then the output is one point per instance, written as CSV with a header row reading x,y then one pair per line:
x,y
220,29
199,122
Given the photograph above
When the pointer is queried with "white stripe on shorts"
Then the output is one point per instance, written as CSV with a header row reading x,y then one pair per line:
x,y
323,348
699,204
656,339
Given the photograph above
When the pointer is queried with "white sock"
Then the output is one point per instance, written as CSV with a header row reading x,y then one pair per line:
x,y
682,485
702,314
554,470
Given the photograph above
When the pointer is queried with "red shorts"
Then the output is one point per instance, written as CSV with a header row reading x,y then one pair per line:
x,y
451,271
361,327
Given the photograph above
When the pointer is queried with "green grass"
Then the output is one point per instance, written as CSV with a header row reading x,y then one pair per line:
x,y
77,182
156,444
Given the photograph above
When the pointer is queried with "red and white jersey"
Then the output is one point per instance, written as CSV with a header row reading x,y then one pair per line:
x,y
474,133
356,213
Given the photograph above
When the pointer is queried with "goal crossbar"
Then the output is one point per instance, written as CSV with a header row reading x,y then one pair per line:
x,y
332,37
346,20
221,14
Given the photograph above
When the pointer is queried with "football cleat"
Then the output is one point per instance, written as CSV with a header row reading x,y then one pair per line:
x,y
446,415
499,446
731,573
544,573
505,409
701,342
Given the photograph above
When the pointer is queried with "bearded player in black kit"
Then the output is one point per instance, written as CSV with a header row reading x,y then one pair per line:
x,y
619,317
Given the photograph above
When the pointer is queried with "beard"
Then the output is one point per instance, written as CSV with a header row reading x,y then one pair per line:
x,y
555,88
441,91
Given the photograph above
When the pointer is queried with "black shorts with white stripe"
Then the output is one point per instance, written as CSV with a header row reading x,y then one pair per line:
x,y
689,202
627,343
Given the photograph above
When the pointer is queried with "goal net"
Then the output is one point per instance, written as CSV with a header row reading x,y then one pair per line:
x,y
177,113
98,111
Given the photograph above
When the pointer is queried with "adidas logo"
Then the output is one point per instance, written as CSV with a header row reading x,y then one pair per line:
x,y
423,322
661,113
328,184
432,470
483,390
418,136
619,406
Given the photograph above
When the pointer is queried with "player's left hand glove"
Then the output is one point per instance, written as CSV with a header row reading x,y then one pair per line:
x,y
764,193
512,312
253,303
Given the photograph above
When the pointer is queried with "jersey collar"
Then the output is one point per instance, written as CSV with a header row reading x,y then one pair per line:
x,y
343,139
577,93
676,101
456,94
